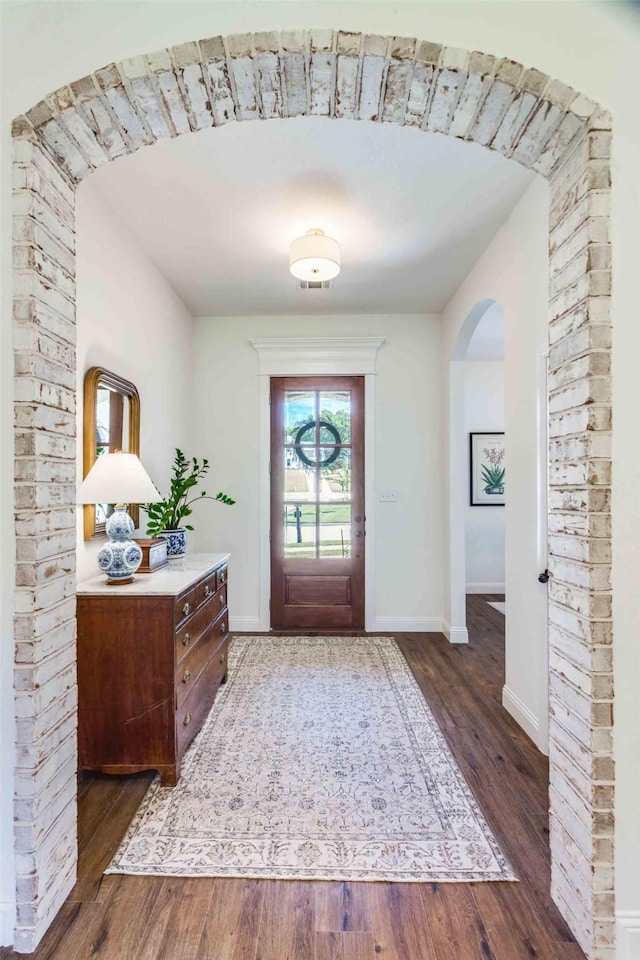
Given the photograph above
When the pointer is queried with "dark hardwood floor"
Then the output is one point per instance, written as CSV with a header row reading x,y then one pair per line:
x,y
157,918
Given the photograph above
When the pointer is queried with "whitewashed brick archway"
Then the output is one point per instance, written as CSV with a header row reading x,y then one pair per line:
x,y
520,112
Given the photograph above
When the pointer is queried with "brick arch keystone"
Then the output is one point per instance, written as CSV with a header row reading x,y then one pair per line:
x,y
497,103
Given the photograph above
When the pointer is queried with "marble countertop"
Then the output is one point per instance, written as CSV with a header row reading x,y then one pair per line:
x,y
169,581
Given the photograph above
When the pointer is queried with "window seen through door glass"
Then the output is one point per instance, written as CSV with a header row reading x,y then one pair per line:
x,y
334,532
299,481
317,474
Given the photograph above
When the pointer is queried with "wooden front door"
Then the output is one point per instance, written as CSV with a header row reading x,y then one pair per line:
x,y
317,503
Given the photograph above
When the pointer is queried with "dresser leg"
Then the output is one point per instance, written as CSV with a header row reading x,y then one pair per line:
x,y
224,679
169,775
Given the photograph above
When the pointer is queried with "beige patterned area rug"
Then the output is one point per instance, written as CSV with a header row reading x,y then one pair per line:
x,y
320,760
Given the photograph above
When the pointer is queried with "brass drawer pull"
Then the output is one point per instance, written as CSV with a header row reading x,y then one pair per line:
x,y
186,640
187,720
207,590
187,676
221,600
221,576
222,657
186,608
223,627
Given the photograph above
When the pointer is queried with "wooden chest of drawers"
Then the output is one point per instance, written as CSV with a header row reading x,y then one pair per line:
x,y
151,656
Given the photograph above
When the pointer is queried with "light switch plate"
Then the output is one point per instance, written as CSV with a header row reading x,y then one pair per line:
x,y
388,496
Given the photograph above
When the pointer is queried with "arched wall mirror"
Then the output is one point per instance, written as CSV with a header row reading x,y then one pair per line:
x,y
111,423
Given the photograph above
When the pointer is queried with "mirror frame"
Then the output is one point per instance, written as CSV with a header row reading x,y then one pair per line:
x,y
95,377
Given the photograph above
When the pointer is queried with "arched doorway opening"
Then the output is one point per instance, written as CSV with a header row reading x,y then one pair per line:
x,y
458,474
496,103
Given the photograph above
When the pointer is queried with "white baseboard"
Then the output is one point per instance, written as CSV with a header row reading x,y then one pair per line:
x,y
383,624
628,935
455,634
485,588
7,922
523,716
246,625
407,625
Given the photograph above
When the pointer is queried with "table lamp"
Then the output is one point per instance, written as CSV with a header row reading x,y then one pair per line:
x,y
121,479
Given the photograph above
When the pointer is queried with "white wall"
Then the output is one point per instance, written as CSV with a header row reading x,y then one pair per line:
x,y
592,46
408,534
131,322
484,526
513,271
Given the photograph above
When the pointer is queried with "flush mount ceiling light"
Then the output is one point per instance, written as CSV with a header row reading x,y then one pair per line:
x,y
314,257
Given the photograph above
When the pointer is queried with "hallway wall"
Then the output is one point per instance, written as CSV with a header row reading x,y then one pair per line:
x,y
131,322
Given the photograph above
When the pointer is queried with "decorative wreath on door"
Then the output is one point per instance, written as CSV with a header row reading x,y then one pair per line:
x,y
311,425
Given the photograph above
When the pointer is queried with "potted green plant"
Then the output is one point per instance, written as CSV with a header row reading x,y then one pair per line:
x,y
165,518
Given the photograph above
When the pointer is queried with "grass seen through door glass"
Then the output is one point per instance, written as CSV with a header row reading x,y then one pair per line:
x,y
331,513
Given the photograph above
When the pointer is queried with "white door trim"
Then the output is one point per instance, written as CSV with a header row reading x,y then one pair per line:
x,y
318,356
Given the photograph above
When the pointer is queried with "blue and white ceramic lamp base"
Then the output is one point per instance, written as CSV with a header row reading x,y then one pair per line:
x,y
121,556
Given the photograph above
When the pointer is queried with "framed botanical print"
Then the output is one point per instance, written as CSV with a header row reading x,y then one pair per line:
x,y
486,463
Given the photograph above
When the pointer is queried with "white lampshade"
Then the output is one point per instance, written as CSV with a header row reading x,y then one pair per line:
x,y
117,478
314,257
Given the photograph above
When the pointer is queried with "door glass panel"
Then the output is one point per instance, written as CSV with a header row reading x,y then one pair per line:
x,y
299,408
335,410
334,530
300,530
317,473
299,479
306,455
335,477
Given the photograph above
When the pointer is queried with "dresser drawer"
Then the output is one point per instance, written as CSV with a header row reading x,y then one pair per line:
x,y
191,667
191,630
193,710
207,588
186,604
219,601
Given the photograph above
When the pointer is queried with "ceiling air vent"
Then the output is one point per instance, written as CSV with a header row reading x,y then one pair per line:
x,y
314,284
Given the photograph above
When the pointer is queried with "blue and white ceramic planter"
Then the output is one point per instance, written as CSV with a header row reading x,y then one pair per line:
x,y
176,542
121,556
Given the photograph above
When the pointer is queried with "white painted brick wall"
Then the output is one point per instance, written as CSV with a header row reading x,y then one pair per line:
x,y
45,470
580,632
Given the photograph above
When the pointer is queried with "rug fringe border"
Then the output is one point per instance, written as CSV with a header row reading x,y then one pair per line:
x,y
332,878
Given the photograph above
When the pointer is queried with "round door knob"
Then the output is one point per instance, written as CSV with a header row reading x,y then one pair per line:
x,y
544,577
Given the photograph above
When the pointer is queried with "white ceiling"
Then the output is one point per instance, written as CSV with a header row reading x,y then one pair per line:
x,y
216,212
487,342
